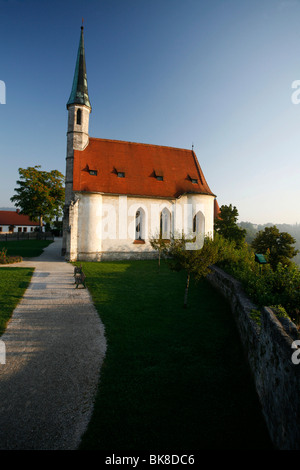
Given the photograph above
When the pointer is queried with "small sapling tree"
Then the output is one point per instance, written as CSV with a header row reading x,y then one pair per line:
x,y
195,262
160,245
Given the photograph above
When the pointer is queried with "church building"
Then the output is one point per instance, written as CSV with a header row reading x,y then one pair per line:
x,y
120,194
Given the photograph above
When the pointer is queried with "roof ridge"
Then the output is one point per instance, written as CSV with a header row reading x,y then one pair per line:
x,y
140,143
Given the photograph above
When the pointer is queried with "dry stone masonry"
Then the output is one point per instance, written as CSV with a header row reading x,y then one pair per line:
x,y
270,349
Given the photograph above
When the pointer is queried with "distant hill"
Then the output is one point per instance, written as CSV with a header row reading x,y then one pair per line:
x,y
7,208
293,230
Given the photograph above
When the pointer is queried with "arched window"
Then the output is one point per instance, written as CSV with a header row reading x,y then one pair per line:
x,y
165,224
199,223
78,117
140,224
195,224
199,226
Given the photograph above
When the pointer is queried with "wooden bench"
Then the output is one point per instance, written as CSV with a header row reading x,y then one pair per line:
x,y
79,276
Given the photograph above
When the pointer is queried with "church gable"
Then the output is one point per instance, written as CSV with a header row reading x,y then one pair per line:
x,y
117,167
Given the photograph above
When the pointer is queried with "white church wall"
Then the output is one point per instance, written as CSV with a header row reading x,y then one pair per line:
x,y
72,232
205,204
107,223
89,238
119,225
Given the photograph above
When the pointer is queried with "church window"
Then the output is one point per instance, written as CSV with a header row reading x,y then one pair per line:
x,y
194,180
140,225
160,178
78,117
165,224
199,224
121,174
195,224
93,172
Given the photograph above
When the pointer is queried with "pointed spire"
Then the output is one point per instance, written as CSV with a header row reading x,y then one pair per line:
x,y
79,93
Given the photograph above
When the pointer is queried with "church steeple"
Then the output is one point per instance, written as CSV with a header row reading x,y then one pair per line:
x,y
79,94
79,108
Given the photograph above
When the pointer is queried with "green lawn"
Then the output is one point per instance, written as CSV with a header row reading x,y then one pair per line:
x,y
13,283
173,379
25,248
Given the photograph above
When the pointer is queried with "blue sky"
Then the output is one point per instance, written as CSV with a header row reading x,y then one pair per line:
x,y
216,74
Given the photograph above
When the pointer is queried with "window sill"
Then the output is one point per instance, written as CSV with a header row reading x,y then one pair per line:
x,y
139,242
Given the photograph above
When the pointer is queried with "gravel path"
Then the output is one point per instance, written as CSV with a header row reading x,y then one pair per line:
x,y
55,345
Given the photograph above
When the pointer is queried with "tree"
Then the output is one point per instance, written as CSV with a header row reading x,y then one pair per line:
x,y
275,245
159,244
40,194
226,225
195,262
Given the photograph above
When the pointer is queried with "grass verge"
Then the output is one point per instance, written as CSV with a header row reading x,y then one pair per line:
x,y
13,283
173,378
25,248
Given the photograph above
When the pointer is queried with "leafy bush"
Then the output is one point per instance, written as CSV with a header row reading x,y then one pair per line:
x,y
266,286
5,259
236,261
256,316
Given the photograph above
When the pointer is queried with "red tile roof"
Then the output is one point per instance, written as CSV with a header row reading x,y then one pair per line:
x,y
14,218
216,209
141,163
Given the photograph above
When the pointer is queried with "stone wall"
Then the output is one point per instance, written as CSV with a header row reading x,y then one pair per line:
x,y
268,348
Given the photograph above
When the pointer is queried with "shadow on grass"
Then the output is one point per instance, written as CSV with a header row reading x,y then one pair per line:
x,y
25,248
173,378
